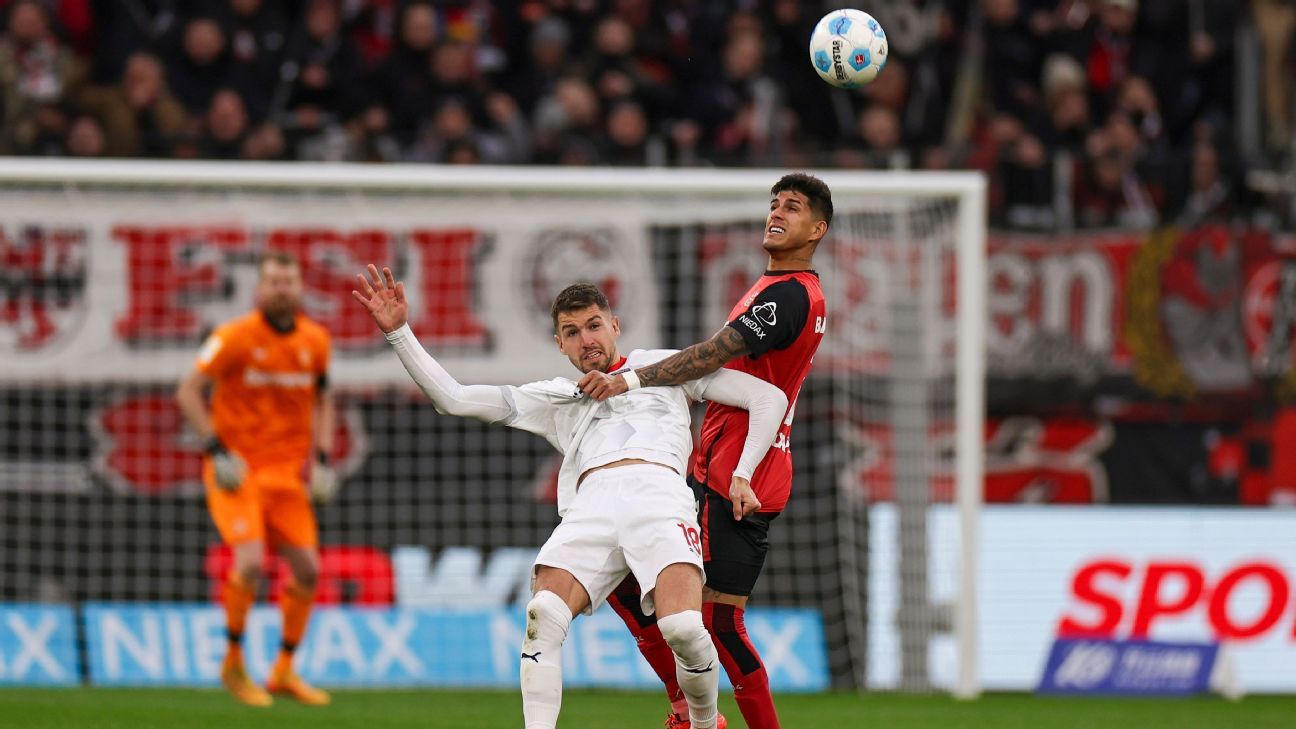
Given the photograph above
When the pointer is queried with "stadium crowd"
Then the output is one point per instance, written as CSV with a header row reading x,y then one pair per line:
x,y
1090,113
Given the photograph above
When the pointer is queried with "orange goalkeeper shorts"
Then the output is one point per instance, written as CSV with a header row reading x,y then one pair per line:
x,y
271,504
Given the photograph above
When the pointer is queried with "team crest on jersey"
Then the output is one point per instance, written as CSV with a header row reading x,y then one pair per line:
x,y
44,277
303,356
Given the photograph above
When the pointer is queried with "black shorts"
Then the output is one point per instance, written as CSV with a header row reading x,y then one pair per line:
x,y
733,552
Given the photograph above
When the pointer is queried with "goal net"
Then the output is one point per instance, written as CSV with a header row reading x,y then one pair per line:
x,y
112,273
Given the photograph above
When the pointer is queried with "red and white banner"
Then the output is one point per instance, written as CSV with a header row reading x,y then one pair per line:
x,y
118,287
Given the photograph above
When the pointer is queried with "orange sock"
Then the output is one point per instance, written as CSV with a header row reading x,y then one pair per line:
x,y
295,602
238,600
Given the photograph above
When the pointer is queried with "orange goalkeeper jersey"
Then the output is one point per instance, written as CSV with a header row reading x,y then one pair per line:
x,y
265,386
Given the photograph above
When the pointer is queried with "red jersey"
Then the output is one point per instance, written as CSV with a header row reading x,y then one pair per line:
x,y
782,318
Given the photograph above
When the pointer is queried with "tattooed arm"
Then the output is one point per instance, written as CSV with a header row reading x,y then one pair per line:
x,y
699,360
772,320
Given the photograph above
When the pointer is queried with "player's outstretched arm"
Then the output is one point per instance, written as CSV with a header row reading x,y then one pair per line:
x,y
766,406
696,361
384,297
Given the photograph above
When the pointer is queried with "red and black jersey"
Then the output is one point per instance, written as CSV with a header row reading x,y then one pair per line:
x,y
782,318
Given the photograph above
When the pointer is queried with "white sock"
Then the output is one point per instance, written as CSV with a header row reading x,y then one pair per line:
x,y
548,618
695,664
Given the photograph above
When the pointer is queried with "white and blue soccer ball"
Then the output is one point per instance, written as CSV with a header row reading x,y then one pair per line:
x,y
848,48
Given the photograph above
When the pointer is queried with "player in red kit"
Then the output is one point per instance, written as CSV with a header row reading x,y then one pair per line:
x,y
772,333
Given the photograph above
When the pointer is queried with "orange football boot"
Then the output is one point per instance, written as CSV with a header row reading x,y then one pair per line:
x,y
240,686
286,681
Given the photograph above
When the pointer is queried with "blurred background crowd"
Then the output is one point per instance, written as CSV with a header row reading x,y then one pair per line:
x,y
1086,113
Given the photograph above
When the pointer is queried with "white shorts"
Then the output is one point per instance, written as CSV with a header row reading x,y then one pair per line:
x,y
637,518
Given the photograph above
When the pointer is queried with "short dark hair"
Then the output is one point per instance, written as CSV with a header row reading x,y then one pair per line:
x,y
282,258
576,297
815,190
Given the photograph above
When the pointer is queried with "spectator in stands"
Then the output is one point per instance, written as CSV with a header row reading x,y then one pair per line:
x,y
462,152
1211,55
577,151
454,73
1110,53
1138,102
1026,176
1066,103
890,90
85,138
788,27
139,115
323,76
36,74
1154,156
684,141
263,144
1109,192
225,126
370,25
201,65
739,108
627,143
510,124
875,143
1275,21
1210,195
258,35
567,123
451,127
619,74
530,79
1012,63
148,25
75,24
402,83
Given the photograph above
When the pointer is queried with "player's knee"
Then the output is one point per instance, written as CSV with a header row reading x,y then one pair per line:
x,y
548,618
306,576
687,637
250,573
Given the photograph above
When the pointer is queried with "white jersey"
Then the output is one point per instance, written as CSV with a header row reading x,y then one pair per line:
x,y
652,423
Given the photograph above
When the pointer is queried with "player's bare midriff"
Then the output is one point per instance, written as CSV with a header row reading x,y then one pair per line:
x,y
617,464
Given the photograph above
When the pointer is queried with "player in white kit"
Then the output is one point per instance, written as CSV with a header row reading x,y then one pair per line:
x,y
624,503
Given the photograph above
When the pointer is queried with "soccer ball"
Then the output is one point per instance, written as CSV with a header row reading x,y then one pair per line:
x,y
848,48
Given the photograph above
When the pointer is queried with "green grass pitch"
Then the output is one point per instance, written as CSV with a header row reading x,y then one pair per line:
x,y
200,709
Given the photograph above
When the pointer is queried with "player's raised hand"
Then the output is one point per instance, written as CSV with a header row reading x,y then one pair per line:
x,y
384,297
744,499
600,385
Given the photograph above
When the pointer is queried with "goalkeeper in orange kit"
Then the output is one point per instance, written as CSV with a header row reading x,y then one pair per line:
x,y
270,424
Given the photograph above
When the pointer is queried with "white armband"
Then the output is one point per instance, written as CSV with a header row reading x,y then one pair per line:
x,y
631,380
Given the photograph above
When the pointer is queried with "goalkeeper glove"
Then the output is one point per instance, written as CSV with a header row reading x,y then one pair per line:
x,y
324,481
230,468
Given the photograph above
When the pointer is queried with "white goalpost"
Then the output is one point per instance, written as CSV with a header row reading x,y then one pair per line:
x,y
113,271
